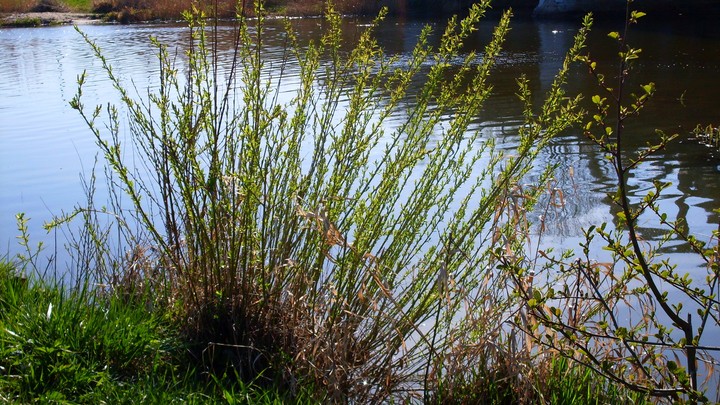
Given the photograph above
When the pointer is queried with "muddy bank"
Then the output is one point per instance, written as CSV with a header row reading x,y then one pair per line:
x,y
46,19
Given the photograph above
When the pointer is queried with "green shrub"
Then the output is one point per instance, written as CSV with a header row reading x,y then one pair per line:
x,y
311,243
633,317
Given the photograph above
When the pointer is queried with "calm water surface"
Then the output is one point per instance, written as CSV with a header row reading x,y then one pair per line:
x,y
45,146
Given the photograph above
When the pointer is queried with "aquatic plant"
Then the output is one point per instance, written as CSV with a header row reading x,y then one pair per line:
x,y
708,135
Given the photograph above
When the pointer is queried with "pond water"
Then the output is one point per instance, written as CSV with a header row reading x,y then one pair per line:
x,y
45,146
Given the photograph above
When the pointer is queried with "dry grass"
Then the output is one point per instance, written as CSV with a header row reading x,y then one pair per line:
x,y
143,10
9,6
309,7
137,10
140,10
317,7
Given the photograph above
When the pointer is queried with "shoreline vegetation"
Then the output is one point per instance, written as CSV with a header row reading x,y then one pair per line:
x,y
319,250
124,354
48,18
35,13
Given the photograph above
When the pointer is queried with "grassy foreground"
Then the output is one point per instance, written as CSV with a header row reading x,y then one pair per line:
x,y
69,345
62,345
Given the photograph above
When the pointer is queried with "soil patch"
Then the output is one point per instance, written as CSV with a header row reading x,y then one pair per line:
x,y
46,18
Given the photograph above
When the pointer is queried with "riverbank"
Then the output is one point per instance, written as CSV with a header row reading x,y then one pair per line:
x,y
122,352
42,19
125,15
32,13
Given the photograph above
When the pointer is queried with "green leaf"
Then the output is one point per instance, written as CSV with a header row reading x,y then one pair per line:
x,y
614,35
621,216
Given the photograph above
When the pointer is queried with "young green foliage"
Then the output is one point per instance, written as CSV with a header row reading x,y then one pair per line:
x,y
619,318
314,241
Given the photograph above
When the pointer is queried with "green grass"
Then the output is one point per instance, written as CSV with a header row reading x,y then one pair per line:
x,y
59,344
66,345
573,384
79,5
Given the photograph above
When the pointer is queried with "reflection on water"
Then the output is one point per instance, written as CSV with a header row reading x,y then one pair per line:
x,y
44,145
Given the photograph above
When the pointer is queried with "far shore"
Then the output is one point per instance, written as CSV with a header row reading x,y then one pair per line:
x,y
48,18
